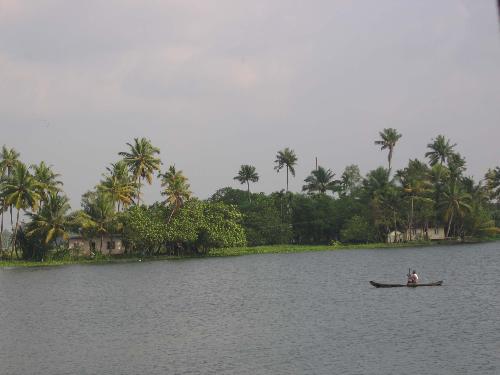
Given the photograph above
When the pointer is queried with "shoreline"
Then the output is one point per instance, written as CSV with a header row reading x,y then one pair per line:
x,y
231,252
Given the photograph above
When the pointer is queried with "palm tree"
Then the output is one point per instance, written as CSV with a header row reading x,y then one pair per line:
x,y
388,139
46,180
388,201
376,182
320,181
456,203
99,214
8,160
142,162
415,183
20,191
456,165
50,221
492,178
176,189
247,174
441,150
286,158
350,180
118,184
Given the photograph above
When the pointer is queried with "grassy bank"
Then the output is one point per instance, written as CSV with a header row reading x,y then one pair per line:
x,y
234,251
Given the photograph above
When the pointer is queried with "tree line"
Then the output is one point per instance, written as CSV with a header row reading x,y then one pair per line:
x,y
351,208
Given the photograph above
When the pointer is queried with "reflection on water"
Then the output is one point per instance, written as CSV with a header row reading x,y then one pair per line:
x,y
309,313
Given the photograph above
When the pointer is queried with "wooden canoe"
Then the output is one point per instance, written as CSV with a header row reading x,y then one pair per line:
x,y
380,285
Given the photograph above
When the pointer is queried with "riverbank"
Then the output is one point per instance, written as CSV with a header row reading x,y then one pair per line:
x,y
235,251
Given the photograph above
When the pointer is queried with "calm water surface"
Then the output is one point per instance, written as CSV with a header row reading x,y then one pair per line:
x,y
309,313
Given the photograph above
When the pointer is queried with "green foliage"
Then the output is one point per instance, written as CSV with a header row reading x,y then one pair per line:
x,y
313,219
247,174
356,230
320,181
50,221
286,158
144,229
33,247
440,150
221,227
142,161
264,218
197,227
388,139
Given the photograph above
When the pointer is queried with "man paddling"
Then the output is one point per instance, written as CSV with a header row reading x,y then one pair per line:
x,y
413,278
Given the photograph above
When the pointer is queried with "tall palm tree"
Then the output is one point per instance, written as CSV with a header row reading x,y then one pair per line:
x,y
320,181
286,158
142,161
51,220
247,174
20,191
456,203
118,184
176,189
46,180
440,150
388,139
8,160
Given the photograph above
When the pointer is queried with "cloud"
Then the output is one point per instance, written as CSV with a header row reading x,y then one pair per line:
x,y
218,84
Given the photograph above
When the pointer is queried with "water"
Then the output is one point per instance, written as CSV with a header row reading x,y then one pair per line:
x,y
309,313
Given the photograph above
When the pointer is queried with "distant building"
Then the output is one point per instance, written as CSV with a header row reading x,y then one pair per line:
x,y
112,244
425,234
394,237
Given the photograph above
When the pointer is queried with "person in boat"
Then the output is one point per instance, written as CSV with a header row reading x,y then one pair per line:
x,y
413,278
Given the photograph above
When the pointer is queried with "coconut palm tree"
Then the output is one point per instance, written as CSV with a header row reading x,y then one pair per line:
x,y
456,203
492,179
286,158
320,181
350,180
440,150
8,160
118,184
176,189
99,214
388,139
247,174
142,161
415,184
50,221
46,180
20,191
376,182
456,165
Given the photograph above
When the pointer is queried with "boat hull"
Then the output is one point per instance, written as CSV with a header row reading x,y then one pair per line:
x,y
380,285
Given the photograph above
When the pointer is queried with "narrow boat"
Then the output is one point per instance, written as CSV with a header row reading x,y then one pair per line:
x,y
380,285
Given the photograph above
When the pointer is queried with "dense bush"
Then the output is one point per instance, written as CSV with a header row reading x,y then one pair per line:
x,y
195,228
356,230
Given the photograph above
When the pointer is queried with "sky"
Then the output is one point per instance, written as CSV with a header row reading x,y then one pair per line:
x,y
217,84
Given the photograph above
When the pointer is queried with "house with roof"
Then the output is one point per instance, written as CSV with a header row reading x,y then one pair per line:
x,y
112,244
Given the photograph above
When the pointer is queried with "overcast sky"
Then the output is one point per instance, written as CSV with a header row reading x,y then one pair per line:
x,y
217,84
